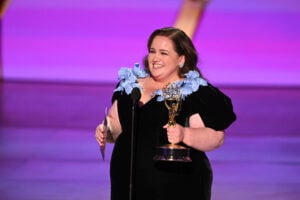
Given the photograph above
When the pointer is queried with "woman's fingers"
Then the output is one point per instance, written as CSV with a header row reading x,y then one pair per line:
x,y
173,133
100,134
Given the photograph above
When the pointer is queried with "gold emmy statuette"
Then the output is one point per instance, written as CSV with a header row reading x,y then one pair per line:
x,y
172,152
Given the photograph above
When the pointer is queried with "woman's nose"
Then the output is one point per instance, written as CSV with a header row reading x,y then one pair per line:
x,y
156,56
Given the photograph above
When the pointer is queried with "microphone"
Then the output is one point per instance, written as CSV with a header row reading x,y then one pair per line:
x,y
135,95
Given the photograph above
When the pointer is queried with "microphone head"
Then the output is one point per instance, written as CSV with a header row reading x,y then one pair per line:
x,y
135,95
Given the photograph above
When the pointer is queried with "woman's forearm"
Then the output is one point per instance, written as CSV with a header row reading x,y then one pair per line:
x,y
113,123
203,139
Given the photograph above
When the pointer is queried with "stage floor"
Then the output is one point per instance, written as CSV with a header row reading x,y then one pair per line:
x,y
48,150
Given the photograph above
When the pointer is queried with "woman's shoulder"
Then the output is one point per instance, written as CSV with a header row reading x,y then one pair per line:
x,y
128,78
210,94
214,106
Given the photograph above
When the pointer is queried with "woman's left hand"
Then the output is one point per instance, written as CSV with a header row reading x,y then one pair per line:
x,y
175,133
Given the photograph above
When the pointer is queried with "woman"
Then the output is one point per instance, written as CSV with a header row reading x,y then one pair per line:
x,y
205,112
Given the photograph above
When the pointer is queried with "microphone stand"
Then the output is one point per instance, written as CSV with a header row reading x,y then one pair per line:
x,y
135,95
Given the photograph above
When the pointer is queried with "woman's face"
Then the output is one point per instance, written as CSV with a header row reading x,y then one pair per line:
x,y
163,60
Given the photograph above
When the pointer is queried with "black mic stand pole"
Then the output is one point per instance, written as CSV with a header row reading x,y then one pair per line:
x,y
132,154
135,95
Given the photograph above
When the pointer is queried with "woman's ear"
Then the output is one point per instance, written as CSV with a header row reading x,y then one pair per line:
x,y
181,61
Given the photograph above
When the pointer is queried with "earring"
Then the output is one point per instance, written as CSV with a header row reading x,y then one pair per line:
x,y
181,65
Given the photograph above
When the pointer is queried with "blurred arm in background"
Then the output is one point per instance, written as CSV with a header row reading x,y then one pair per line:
x,y
190,15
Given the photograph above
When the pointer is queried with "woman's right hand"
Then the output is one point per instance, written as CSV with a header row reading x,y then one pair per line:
x,y
101,134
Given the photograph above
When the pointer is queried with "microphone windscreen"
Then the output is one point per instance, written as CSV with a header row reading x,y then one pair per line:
x,y
135,95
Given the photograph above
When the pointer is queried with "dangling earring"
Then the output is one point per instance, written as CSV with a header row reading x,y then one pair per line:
x,y
181,65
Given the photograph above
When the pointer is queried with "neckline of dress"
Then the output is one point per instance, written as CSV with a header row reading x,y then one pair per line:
x,y
128,80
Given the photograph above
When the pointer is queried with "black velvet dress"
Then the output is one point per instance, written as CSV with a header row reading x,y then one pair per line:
x,y
160,180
